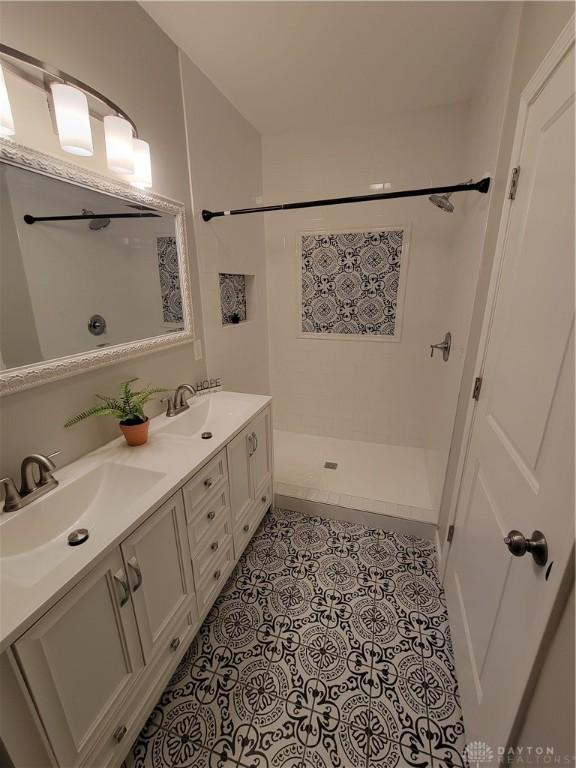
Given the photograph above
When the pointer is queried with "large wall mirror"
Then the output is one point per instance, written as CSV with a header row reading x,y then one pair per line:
x,y
91,271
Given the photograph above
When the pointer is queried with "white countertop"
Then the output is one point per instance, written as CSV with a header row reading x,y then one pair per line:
x,y
32,581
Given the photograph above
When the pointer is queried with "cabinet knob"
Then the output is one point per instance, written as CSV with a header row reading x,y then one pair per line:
x,y
208,482
214,546
264,499
217,575
119,733
174,643
211,515
246,528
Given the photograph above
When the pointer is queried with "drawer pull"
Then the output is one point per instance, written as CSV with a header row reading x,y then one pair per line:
x,y
119,733
264,499
214,546
135,568
174,643
217,574
211,515
208,482
120,579
255,439
246,528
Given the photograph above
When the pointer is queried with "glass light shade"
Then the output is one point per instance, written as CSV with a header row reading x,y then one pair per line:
x,y
72,119
142,167
6,119
119,144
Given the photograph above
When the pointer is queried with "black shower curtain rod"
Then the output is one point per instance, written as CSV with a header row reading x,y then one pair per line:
x,y
29,219
478,186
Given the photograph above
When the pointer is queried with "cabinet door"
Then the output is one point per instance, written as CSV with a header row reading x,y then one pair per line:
x,y
239,469
81,658
260,429
159,571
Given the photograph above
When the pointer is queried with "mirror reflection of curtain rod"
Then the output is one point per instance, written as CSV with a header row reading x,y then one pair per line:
x,y
29,219
478,186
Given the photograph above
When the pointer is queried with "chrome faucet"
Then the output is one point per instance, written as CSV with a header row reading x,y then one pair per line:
x,y
177,402
30,489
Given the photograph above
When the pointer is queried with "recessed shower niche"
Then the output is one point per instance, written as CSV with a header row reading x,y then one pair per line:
x,y
235,292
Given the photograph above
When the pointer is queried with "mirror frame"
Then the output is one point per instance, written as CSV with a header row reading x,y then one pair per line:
x,y
32,375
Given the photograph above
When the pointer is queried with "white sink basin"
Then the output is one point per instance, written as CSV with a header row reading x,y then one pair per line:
x,y
192,421
77,504
207,414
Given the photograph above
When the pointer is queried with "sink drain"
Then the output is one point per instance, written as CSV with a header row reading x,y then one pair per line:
x,y
206,435
79,536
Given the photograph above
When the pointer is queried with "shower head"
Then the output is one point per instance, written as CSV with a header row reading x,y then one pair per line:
x,y
443,202
95,224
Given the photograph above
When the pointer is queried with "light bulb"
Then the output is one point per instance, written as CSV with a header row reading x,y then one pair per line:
x,y
72,119
142,167
6,119
119,145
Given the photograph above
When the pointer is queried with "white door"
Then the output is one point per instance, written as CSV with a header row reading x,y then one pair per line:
x,y
519,470
80,660
159,569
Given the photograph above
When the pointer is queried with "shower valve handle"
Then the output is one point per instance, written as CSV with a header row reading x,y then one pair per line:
x,y
444,346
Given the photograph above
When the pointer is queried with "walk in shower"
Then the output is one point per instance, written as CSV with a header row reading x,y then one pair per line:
x,y
358,294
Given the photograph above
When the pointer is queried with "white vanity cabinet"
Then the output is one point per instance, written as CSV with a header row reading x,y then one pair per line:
x,y
159,569
80,660
250,471
96,662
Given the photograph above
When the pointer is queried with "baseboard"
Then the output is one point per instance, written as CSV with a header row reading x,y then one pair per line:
x,y
371,519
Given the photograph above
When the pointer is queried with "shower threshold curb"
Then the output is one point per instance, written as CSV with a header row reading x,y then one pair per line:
x,y
398,524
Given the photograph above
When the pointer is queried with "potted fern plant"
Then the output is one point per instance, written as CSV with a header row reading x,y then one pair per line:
x,y
128,408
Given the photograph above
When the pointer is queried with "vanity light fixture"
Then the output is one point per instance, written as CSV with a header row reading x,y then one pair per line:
x,y
72,119
119,139
6,119
74,103
142,176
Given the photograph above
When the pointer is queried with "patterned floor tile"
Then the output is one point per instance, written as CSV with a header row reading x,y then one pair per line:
x,y
329,646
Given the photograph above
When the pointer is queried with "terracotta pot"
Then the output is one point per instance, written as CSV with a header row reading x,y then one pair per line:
x,y
135,434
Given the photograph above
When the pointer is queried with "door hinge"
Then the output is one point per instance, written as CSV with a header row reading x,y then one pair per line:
x,y
477,388
514,183
450,534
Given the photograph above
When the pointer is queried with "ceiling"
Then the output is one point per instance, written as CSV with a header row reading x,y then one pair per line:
x,y
285,64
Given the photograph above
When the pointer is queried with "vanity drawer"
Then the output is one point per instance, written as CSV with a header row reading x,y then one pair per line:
x,y
213,475
205,560
209,589
208,516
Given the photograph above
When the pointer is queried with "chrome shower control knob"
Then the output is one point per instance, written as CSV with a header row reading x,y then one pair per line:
x,y
537,545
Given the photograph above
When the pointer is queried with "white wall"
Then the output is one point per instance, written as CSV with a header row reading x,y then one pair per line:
x,y
360,389
225,156
119,50
482,141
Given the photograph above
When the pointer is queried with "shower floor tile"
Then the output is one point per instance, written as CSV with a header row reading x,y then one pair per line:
x,y
329,646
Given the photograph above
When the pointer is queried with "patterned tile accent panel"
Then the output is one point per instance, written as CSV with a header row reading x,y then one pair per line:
x,y
350,282
233,298
169,270
328,648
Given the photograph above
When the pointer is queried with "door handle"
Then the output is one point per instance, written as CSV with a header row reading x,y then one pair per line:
x,y
537,545
135,568
120,581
